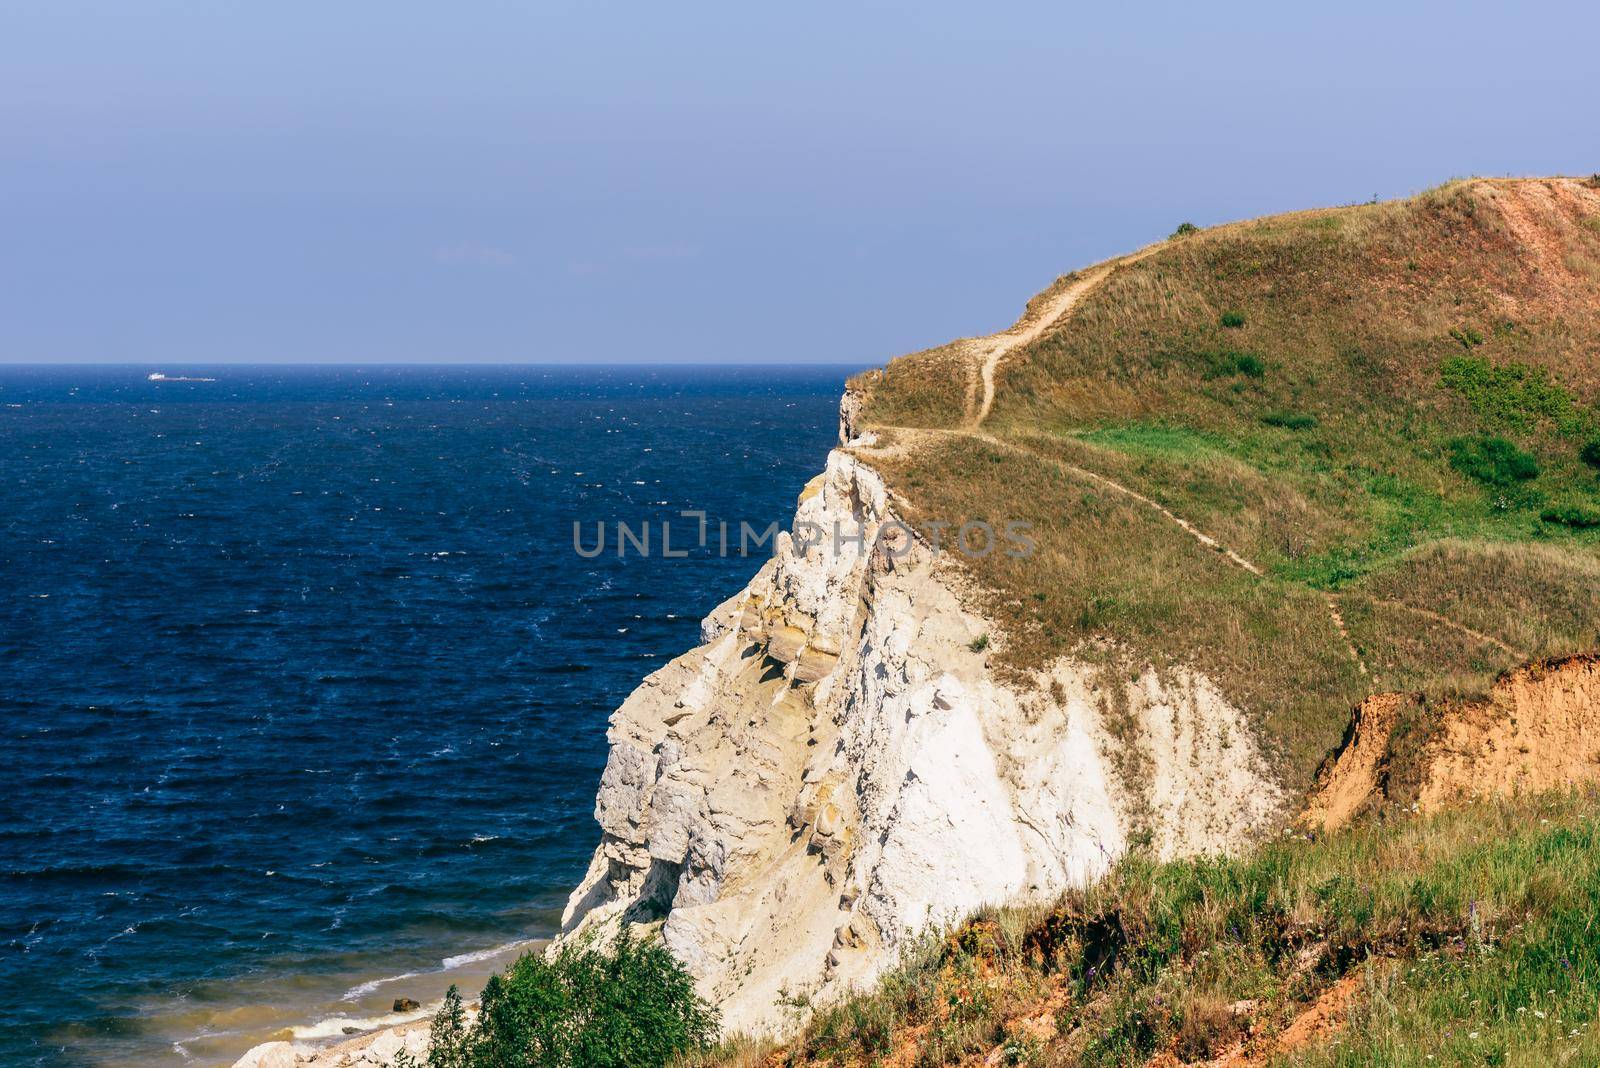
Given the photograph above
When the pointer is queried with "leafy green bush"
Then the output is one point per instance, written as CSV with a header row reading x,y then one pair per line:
x,y
1232,320
1492,461
1467,336
631,1005
1590,453
1225,363
1577,516
1185,229
1290,420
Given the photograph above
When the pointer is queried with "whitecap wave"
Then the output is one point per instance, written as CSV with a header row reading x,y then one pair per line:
x,y
336,1026
363,989
452,963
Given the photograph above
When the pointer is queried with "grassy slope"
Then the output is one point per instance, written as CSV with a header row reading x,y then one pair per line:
x,y
1466,938
1315,438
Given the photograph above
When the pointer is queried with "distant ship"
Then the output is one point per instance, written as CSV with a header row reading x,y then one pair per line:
x,y
159,377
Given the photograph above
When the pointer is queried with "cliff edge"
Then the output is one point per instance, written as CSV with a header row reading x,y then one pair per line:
x,y
839,767
1270,470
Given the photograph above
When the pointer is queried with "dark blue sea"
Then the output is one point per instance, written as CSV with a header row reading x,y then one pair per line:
x,y
303,690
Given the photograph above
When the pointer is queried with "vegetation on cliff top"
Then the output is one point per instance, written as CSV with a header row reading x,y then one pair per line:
x,y
1461,938
1385,413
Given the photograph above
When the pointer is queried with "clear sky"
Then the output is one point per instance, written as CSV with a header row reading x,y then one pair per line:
x,y
355,180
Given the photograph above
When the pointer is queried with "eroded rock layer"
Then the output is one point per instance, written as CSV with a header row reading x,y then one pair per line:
x,y
1538,729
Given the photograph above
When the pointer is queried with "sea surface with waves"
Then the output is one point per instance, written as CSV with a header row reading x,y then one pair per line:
x,y
303,689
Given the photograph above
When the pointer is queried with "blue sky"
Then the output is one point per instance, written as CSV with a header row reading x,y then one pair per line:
x,y
350,180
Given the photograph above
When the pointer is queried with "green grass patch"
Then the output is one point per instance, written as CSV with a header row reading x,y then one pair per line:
x,y
1493,461
1290,420
1156,439
1515,396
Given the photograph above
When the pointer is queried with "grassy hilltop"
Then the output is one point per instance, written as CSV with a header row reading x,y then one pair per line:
x,y
1318,457
1387,410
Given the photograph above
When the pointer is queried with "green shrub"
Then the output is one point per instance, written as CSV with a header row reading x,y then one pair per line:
x,y
1225,363
1492,461
1590,453
1577,516
1290,420
1467,336
1254,366
631,1005
979,644
1185,229
1232,320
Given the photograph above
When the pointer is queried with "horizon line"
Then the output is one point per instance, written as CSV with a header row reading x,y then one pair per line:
x,y
153,366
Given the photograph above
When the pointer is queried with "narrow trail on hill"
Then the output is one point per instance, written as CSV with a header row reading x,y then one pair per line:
x,y
1200,536
1030,330
1487,639
1344,632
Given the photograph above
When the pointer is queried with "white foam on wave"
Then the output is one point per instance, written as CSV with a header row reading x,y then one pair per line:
x,y
335,1026
452,963
342,1025
363,989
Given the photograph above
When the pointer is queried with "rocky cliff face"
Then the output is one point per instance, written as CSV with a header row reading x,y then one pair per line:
x,y
836,768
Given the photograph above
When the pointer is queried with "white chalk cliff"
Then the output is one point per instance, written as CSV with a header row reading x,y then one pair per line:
x,y
836,767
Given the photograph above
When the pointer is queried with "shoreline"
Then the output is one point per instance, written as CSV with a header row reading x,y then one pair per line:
x,y
312,1012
